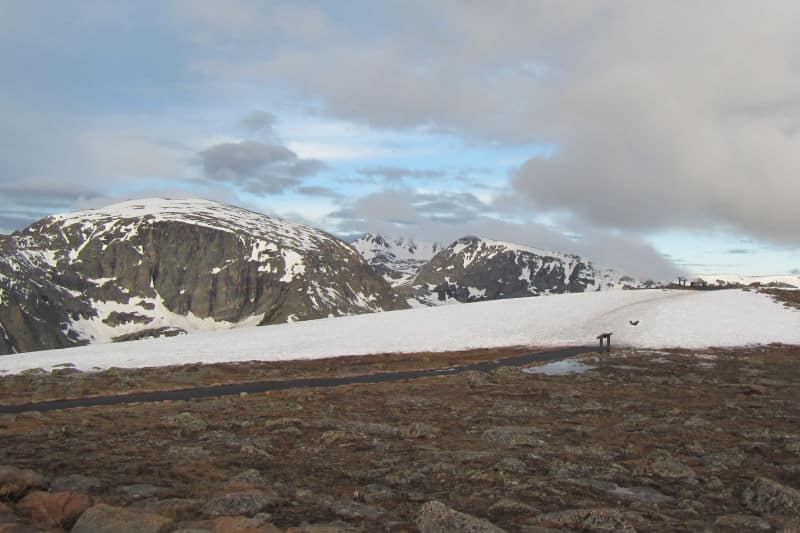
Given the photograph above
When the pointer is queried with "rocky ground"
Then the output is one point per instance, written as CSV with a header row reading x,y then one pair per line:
x,y
639,441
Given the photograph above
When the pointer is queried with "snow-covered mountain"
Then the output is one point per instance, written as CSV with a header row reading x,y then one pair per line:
x,y
161,267
764,281
473,269
396,259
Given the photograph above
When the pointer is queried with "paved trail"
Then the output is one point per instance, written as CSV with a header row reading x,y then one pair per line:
x,y
235,389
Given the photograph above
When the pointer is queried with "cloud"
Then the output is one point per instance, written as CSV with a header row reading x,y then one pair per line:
x,y
399,173
318,190
257,166
258,121
662,116
444,217
795,271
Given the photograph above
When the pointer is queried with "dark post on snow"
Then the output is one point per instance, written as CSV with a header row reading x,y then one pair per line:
x,y
607,338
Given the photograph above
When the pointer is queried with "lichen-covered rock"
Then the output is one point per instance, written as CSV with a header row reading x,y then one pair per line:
x,y
770,497
103,518
16,482
594,520
436,517
743,522
242,503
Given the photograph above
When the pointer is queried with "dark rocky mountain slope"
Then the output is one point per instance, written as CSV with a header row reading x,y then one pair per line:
x,y
162,267
473,269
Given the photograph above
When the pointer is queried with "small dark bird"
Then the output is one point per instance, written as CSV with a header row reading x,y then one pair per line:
x,y
633,323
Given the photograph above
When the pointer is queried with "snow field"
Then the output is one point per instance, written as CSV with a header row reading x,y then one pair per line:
x,y
687,319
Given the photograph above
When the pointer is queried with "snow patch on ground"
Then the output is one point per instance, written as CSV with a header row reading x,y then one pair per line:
x,y
688,319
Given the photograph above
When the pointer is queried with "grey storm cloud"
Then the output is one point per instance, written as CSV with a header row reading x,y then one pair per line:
x,y
257,121
257,166
318,190
663,115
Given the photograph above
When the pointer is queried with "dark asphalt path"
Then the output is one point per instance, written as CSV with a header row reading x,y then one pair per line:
x,y
236,389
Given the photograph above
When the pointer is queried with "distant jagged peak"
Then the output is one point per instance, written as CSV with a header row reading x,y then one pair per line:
x,y
400,247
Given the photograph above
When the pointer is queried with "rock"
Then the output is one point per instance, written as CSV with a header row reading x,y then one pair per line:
x,y
475,379
350,510
249,478
242,524
76,483
334,527
767,497
5,509
186,421
14,526
512,464
171,507
103,518
60,509
16,482
513,436
594,520
667,467
509,506
140,491
436,517
419,431
743,522
244,503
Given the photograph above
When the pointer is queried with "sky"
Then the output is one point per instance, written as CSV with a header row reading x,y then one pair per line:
x,y
657,137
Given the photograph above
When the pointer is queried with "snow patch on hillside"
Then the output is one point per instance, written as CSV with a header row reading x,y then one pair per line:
x,y
688,319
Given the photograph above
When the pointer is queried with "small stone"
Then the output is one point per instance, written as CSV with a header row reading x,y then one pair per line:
x,y
186,421
46,509
766,496
140,491
16,482
668,467
513,436
243,503
104,518
76,483
436,517
249,478
242,524
742,522
509,506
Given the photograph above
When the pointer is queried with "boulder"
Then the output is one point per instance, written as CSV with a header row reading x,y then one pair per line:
x,y
770,497
743,522
594,520
436,517
243,503
16,482
60,509
103,518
